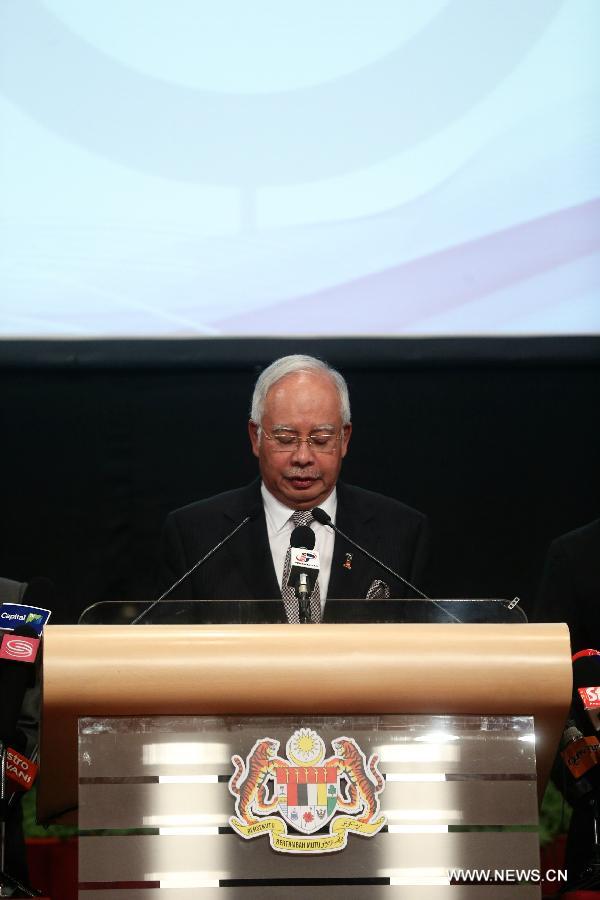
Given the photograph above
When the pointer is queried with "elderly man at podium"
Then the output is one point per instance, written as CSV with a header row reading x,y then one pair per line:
x,y
299,430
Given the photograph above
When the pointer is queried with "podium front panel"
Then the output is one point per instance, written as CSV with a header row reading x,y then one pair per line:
x,y
331,806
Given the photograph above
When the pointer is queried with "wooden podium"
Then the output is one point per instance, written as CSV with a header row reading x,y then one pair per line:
x,y
483,682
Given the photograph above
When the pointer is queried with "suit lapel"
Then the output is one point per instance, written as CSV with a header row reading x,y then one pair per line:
x,y
350,575
252,554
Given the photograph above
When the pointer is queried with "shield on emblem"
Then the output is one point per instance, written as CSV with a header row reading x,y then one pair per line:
x,y
307,795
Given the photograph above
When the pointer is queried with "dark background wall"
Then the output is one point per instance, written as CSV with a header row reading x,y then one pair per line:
x,y
497,440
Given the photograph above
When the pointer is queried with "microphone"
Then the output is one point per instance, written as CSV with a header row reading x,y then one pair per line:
x,y
251,515
319,515
580,754
586,689
17,651
304,568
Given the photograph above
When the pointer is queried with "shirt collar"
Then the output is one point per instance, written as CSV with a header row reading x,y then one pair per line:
x,y
278,515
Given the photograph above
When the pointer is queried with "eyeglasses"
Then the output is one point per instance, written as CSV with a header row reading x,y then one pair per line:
x,y
285,442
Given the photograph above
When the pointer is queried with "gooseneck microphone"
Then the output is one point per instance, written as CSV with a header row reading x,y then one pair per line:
x,y
324,519
251,515
319,515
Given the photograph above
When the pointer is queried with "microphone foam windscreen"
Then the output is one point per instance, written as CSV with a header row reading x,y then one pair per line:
x,y
303,536
586,671
320,516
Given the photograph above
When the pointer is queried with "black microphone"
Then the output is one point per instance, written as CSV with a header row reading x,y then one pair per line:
x,y
319,515
303,536
251,515
586,690
579,773
304,568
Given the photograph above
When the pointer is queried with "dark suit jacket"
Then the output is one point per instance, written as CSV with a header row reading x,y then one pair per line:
x,y
570,586
12,591
243,568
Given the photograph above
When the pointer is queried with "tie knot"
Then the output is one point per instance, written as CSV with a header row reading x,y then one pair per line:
x,y
302,517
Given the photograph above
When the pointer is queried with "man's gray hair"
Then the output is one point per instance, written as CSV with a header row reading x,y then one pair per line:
x,y
289,365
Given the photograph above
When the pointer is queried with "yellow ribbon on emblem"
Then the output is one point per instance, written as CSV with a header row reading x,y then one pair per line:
x,y
280,840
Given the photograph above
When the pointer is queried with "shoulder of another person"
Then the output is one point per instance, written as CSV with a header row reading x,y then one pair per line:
x,y
11,591
580,544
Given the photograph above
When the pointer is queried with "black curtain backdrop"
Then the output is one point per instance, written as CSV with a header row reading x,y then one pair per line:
x,y
496,440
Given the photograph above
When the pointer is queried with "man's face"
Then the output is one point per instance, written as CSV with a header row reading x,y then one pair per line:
x,y
301,404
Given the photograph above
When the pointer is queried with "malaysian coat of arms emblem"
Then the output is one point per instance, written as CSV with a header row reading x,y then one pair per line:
x,y
306,792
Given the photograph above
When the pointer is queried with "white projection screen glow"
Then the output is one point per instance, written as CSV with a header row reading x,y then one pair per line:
x,y
180,168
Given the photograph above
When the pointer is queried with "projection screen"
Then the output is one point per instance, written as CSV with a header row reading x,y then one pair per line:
x,y
179,168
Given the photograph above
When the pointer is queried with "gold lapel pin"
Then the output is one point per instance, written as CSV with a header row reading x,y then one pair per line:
x,y
348,561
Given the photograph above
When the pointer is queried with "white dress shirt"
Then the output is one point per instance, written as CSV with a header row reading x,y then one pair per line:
x,y
280,527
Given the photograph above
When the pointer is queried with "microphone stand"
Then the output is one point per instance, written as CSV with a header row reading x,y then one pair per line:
x,y
319,515
200,562
304,600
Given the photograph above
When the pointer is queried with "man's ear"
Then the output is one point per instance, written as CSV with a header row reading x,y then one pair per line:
x,y
254,432
346,432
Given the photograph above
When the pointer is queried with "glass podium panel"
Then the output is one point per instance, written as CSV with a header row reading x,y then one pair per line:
x,y
399,807
258,612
